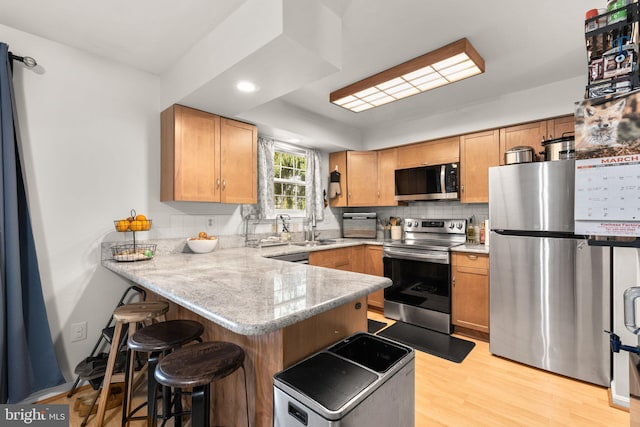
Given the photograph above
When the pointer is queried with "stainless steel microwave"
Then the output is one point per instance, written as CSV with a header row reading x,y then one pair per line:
x,y
435,182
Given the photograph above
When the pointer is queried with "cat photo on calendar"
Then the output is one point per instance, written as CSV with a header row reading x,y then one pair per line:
x,y
608,128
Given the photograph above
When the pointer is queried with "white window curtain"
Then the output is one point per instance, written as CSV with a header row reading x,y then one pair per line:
x,y
264,209
313,188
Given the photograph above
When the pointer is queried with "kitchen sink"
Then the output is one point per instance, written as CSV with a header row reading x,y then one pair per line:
x,y
310,244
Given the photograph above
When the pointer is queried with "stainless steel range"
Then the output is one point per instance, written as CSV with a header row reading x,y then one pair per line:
x,y
420,268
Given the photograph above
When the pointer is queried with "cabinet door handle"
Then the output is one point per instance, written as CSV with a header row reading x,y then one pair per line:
x,y
453,280
218,183
224,184
378,194
474,257
462,188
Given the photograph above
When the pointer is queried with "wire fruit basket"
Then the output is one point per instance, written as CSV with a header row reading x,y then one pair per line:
x,y
133,251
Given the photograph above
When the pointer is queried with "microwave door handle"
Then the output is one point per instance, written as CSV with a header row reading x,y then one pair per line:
x,y
443,186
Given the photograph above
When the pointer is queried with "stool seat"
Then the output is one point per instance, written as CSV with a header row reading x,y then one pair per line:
x,y
129,314
165,335
140,311
199,364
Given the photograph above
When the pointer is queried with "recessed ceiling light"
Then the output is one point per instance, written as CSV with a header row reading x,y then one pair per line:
x,y
246,86
294,140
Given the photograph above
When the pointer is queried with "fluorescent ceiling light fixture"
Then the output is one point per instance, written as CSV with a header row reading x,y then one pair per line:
x,y
246,86
448,64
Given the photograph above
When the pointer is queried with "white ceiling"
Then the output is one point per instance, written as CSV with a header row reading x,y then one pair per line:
x,y
525,44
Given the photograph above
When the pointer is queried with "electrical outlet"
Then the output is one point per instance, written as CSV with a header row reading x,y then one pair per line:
x,y
78,331
210,223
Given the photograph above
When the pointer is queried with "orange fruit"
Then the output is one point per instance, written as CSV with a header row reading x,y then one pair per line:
x,y
146,224
135,225
141,217
122,225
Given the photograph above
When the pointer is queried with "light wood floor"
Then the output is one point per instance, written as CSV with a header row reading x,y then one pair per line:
x,y
485,390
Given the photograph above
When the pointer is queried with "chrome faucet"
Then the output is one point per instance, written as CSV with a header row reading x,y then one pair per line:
x,y
312,227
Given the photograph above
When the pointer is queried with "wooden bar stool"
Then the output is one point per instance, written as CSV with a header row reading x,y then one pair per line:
x,y
198,366
159,340
131,315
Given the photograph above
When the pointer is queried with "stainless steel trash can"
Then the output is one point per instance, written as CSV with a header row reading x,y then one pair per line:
x,y
364,380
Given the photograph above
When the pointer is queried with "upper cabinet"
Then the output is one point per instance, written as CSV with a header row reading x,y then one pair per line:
x,y
206,158
238,162
367,178
387,164
534,134
478,152
362,178
560,126
436,152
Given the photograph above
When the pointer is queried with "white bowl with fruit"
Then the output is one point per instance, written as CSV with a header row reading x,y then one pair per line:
x,y
203,243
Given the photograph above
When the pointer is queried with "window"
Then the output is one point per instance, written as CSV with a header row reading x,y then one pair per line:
x,y
289,169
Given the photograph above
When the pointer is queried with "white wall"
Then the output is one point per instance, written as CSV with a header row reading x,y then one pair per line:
x,y
550,100
88,130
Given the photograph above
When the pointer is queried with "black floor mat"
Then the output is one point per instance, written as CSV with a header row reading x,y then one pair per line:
x,y
435,343
374,326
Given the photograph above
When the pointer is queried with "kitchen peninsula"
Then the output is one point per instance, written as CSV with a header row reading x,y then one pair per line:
x,y
278,312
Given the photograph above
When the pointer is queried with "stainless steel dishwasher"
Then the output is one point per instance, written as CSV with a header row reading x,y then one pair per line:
x,y
364,380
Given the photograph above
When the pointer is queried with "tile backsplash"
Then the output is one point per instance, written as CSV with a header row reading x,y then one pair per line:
x,y
227,221
432,210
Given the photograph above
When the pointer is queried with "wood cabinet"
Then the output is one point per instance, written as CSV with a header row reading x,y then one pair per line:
x,y
528,134
559,126
367,178
206,158
366,259
339,259
534,134
373,265
238,162
478,152
362,178
387,163
439,151
470,293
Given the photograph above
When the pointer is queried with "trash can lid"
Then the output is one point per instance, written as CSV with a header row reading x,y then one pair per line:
x,y
328,380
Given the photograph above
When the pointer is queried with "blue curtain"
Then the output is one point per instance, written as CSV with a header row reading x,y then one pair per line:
x,y
27,360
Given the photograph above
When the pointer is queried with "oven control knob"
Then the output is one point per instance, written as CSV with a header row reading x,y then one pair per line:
x,y
452,225
459,226
415,223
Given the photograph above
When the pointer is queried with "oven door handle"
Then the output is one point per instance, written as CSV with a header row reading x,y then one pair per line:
x,y
439,257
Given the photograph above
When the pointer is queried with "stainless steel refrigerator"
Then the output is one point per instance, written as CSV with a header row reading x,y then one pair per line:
x,y
550,292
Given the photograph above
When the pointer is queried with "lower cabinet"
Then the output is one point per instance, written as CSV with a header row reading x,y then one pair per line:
x,y
365,259
470,294
339,259
373,265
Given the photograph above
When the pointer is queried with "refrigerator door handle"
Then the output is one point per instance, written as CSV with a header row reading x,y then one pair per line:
x,y
630,297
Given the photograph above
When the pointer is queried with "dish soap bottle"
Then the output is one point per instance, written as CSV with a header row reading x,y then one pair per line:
x,y
470,232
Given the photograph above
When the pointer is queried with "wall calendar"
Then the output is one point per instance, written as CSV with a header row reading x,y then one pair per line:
x,y
607,171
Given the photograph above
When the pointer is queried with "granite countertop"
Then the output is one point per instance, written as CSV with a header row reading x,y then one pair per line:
x,y
243,291
473,248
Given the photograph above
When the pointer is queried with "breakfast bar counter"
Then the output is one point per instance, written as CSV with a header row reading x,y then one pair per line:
x,y
279,312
